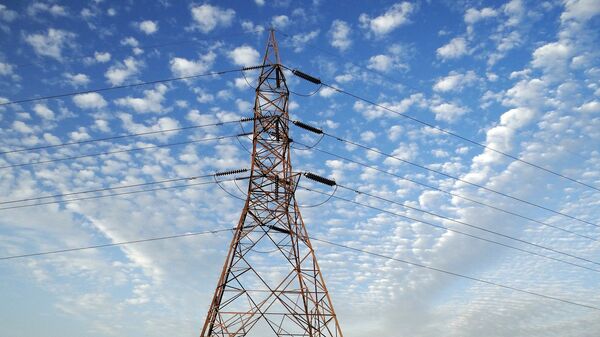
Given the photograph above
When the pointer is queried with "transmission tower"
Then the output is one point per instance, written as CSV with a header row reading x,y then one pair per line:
x,y
271,284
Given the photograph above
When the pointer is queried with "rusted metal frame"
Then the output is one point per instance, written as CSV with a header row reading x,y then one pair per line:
x,y
264,301
225,271
316,266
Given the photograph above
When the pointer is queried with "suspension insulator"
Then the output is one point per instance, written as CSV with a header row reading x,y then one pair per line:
x,y
225,173
319,179
308,127
254,67
244,134
247,119
306,76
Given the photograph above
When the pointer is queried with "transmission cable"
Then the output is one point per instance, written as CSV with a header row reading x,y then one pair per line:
x,y
321,132
42,147
448,132
472,235
154,146
115,194
317,239
461,180
126,86
62,195
121,243
416,264
416,182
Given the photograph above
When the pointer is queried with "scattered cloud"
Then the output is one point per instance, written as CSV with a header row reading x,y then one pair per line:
x,y
7,15
244,56
51,43
394,17
339,35
455,81
456,48
102,57
117,74
40,7
181,67
148,27
151,102
77,80
299,41
91,100
208,17
473,15
280,21
448,112
43,111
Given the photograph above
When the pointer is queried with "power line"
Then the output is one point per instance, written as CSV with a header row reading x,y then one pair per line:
x,y
472,235
339,245
35,148
104,189
118,194
329,197
448,192
415,264
459,179
121,243
454,134
121,151
126,86
448,132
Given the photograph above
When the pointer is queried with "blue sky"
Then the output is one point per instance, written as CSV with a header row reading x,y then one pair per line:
x,y
518,76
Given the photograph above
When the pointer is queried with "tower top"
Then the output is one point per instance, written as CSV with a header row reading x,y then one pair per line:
x,y
272,51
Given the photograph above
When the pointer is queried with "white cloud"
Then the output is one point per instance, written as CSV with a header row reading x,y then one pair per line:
x,y
473,15
517,118
163,123
259,2
6,14
249,27
552,57
118,73
340,35
455,81
102,57
182,67
151,102
368,136
456,48
53,9
590,107
148,27
580,10
77,79
448,112
393,18
208,17
90,100
515,10
386,63
280,21
21,127
244,56
381,63
43,111
300,40
51,43
6,69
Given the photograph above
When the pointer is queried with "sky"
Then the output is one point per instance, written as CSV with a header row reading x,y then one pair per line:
x,y
521,77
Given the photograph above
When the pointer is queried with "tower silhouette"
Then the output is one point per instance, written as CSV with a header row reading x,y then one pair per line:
x,y
271,284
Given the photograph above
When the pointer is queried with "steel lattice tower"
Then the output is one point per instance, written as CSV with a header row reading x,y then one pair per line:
x,y
271,284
